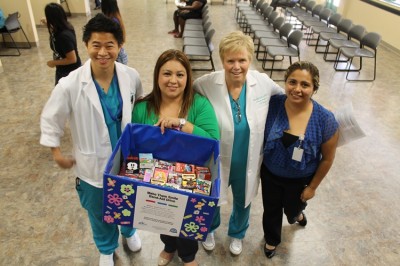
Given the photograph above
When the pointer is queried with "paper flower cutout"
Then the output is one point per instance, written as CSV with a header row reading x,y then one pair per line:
x,y
126,212
114,199
199,219
127,190
191,227
108,219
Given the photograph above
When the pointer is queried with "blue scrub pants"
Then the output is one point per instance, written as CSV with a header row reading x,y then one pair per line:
x,y
105,235
239,220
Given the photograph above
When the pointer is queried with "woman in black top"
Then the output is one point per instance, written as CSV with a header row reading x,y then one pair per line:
x,y
62,41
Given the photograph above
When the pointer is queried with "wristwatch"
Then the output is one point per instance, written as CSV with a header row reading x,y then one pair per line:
x,y
182,122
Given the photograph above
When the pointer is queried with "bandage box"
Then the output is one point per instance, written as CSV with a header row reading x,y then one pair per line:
x,y
161,209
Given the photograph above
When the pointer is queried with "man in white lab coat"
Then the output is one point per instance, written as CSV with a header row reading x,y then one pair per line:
x,y
97,99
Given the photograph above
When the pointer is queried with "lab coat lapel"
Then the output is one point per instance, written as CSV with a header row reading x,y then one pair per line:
x,y
250,95
89,88
124,85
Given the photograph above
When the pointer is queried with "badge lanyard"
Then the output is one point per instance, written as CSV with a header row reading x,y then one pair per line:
x,y
118,116
298,151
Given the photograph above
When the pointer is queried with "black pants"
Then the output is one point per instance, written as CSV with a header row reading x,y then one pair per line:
x,y
187,248
280,195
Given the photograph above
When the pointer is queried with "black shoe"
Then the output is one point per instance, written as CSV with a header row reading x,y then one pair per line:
x,y
269,253
303,222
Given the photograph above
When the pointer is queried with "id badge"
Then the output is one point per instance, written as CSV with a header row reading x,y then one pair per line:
x,y
297,154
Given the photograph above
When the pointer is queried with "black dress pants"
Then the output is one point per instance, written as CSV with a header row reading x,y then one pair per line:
x,y
280,195
187,248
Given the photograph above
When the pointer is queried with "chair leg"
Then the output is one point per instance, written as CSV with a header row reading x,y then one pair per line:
x,y
13,47
374,75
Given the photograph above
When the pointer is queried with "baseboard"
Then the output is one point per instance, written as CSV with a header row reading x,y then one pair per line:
x,y
20,45
391,48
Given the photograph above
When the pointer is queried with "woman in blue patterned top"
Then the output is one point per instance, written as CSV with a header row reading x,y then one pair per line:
x,y
300,144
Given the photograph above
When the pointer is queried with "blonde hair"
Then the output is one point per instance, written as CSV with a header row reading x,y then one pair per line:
x,y
234,42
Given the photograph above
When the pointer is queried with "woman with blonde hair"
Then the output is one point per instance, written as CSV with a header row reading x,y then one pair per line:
x,y
240,99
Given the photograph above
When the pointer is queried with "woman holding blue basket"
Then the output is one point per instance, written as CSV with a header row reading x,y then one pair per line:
x,y
173,104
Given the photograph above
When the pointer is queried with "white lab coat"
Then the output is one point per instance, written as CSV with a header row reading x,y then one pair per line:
x,y
260,88
75,98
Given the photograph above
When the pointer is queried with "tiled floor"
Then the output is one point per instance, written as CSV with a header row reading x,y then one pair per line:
x,y
353,220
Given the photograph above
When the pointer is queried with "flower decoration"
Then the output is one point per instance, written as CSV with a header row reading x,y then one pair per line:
x,y
114,199
127,189
108,219
191,227
203,229
193,200
126,212
211,204
199,219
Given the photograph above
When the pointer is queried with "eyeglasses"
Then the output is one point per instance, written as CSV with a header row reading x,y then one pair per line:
x,y
238,115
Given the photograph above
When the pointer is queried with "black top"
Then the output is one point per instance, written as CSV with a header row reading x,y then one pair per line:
x,y
288,139
61,44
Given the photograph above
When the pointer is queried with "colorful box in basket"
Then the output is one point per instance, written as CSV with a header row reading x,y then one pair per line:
x,y
162,209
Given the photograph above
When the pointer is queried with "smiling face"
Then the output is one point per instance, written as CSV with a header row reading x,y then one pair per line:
x,y
236,65
172,79
299,86
103,50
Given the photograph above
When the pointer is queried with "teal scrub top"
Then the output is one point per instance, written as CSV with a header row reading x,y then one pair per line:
x,y
111,102
241,137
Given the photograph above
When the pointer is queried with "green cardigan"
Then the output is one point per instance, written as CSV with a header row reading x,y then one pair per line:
x,y
201,114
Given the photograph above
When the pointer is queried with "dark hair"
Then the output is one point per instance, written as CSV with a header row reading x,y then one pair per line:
x,y
310,67
101,23
56,18
154,97
111,10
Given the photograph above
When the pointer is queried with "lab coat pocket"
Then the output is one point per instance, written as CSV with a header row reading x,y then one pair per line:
x,y
87,164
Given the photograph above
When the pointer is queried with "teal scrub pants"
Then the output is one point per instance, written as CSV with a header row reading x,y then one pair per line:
x,y
239,220
105,235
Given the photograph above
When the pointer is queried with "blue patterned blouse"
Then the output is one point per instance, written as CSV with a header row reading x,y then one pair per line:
x,y
277,158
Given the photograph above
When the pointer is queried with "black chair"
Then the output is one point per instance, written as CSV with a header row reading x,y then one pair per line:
x,y
11,26
273,40
196,51
292,50
355,35
368,49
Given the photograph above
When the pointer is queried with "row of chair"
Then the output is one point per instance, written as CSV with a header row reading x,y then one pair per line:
x,y
330,30
197,37
321,27
274,38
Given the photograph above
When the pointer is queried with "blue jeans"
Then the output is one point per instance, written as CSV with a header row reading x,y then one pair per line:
x,y
105,235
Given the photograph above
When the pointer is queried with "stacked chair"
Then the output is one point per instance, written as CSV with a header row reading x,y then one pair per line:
x,y
197,42
278,37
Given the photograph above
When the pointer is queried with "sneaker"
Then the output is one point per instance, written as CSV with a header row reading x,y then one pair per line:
x,y
134,242
209,244
236,246
106,260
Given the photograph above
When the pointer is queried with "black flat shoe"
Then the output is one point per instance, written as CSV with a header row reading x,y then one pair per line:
x,y
303,222
269,253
